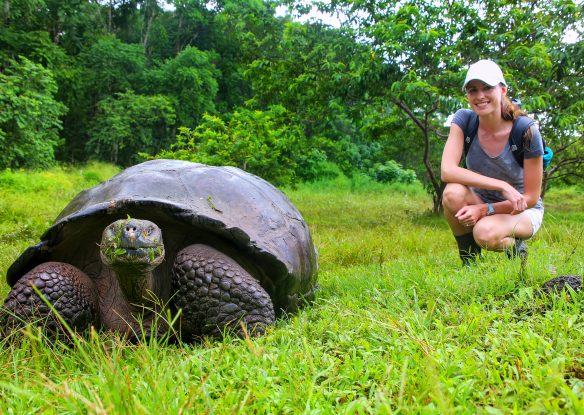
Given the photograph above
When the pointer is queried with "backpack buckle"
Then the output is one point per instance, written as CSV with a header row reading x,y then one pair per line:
x,y
513,147
467,139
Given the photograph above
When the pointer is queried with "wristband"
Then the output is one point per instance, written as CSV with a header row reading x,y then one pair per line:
x,y
490,209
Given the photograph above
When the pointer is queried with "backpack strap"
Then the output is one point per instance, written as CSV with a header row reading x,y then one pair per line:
x,y
470,132
520,126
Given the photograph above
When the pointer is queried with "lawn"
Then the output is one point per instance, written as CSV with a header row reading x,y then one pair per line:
x,y
398,325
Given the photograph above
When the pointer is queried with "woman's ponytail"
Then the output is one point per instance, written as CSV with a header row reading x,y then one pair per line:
x,y
511,111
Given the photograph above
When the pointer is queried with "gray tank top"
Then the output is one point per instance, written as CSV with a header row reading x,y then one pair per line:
x,y
503,166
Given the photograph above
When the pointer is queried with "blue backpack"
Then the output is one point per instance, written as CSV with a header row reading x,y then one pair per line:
x,y
520,126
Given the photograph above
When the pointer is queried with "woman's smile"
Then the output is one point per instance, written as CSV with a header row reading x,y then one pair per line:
x,y
482,104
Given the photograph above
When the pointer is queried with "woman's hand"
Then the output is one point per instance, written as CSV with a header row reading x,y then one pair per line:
x,y
470,215
518,202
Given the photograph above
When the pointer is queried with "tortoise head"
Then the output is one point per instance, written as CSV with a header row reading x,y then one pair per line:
x,y
132,244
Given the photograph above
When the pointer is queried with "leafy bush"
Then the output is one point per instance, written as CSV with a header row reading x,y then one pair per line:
x,y
392,171
267,143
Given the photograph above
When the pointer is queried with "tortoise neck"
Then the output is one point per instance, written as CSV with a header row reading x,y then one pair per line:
x,y
137,285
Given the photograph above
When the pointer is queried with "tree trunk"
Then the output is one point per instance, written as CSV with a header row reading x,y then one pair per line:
x,y
114,153
109,16
437,185
178,44
149,19
6,10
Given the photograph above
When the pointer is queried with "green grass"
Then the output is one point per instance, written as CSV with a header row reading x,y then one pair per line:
x,y
397,327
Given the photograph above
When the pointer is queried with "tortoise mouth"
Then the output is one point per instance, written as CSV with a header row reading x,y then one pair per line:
x,y
139,252
148,253
151,255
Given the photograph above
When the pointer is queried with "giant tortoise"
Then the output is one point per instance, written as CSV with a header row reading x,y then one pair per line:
x,y
220,248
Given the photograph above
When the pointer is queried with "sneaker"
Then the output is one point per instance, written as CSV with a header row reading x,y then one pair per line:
x,y
518,250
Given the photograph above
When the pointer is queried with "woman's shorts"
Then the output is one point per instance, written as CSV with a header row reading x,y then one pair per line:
x,y
536,217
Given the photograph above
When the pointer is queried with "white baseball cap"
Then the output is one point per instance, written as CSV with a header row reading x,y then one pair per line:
x,y
485,70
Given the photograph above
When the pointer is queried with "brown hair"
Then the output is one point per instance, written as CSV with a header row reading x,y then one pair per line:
x,y
511,111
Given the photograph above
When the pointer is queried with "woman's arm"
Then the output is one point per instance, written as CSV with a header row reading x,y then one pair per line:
x,y
532,179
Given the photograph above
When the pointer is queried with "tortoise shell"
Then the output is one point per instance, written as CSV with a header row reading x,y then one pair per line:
x,y
234,211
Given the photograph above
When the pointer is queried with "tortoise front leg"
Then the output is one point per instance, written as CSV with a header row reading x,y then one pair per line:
x,y
69,291
216,294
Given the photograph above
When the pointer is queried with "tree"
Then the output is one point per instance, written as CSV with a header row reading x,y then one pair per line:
x,y
112,66
189,80
128,124
68,23
416,45
240,32
101,70
190,25
29,120
315,72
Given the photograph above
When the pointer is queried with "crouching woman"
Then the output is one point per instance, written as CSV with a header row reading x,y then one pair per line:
x,y
493,203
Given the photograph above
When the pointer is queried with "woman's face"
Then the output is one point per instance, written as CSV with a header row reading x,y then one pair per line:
x,y
485,99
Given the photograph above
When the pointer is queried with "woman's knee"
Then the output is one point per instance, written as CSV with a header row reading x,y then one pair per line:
x,y
487,234
454,196
492,232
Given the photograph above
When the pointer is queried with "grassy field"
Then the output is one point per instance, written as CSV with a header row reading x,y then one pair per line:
x,y
398,326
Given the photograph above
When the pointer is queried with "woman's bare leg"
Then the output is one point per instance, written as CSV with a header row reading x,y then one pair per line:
x,y
498,232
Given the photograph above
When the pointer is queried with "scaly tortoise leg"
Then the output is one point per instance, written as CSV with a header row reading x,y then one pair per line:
x,y
69,291
216,295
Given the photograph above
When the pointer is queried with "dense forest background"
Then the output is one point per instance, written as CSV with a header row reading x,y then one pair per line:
x,y
235,82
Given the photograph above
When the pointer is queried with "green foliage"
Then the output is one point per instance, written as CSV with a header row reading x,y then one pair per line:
x,y
397,326
189,81
266,143
25,12
391,171
128,124
242,31
312,70
68,24
112,66
378,88
35,46
191,20
29,119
